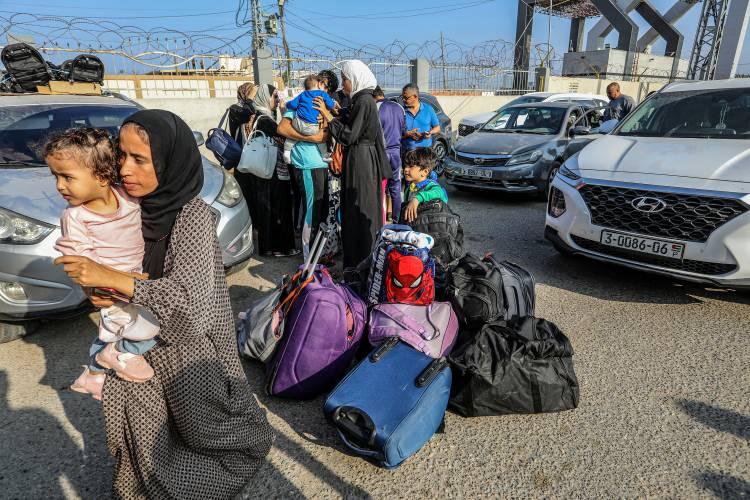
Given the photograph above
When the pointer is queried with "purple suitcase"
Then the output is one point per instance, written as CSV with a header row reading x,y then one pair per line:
x,y
321,334
430,329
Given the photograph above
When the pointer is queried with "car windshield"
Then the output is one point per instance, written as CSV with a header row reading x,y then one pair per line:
x,y
25,129
528,120
715,114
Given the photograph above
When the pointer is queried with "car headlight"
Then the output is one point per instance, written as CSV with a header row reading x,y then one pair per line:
x,y
566,172
528,157
230,193
19,230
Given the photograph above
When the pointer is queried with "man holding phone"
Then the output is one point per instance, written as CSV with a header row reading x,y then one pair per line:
x,y
421,120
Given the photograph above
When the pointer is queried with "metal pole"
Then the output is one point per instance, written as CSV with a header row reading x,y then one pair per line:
x,y
442,58
288,78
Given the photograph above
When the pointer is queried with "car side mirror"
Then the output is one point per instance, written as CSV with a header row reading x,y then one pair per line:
x,y
580,130
199,140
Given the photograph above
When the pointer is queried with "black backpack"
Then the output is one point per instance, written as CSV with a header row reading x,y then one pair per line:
x,y
438,220
514,367
85,68
25,66
484,290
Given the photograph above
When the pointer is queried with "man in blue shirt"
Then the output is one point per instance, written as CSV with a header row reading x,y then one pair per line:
x,y
421,120
392,120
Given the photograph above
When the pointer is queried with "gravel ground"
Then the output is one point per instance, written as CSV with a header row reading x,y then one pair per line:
x,y
664,369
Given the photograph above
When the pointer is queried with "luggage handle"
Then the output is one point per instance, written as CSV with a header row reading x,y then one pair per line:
x,y
431,372
383,349
316,251
223,117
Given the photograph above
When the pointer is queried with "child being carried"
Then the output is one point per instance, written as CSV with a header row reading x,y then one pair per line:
x,y
103,223
305,116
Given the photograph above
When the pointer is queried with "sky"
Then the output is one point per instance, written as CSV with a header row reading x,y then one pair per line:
x,y
316,23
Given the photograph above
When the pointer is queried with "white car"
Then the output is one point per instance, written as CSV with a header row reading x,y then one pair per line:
x,y
668,191
470,123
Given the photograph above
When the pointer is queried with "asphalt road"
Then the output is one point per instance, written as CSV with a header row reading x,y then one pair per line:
x,y
664,369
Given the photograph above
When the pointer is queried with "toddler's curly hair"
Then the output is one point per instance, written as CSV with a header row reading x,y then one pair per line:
x,y
92,146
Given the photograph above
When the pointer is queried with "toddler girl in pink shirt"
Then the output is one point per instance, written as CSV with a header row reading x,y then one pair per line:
x,y
104,224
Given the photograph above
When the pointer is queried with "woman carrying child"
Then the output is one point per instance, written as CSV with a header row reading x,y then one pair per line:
x,y
310,172
194,430
365,162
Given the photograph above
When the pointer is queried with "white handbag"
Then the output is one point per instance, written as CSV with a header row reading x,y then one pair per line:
x,y
258,154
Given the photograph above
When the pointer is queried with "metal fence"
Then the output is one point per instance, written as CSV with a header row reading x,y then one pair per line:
x,y
293,71
498,81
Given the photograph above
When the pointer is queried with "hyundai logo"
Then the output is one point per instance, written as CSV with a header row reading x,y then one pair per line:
x,y
478,161
648,204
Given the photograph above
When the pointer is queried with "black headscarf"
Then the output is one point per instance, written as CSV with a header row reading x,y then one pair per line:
x,y
180,173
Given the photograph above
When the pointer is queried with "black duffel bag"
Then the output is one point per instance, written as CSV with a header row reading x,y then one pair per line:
x,y
438,220
484,290
514,367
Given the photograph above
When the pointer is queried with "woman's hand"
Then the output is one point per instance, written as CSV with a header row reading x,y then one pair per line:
x,y
320,105
98,301
88,273
85,271
321,136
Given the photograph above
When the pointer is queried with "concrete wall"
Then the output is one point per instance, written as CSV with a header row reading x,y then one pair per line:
x,y
456,107
636,90
203,114
611,62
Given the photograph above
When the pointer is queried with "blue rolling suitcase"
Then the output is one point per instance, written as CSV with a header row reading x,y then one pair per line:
x,y
391,403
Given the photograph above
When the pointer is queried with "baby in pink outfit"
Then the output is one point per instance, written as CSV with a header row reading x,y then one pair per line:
x,y
104,224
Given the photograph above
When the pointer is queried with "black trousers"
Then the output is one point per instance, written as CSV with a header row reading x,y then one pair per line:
x,y
270,204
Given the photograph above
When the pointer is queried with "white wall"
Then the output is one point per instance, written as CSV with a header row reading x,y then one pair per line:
x,y
203,114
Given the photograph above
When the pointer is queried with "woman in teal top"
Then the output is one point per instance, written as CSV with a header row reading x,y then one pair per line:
x,y
311,175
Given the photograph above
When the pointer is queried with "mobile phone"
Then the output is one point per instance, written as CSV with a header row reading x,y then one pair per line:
x,y
111,293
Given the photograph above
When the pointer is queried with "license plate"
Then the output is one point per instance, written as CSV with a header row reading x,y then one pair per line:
x,y
477,172
646,245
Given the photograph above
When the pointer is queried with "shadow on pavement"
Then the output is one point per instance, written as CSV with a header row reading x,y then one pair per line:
x,y
720,484
39,457
64,361
720,419
307,420
723,485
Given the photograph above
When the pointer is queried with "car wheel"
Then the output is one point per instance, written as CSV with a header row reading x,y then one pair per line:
x,y
440,149
13,331
544,195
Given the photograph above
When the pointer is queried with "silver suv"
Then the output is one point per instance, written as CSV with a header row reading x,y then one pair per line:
x,y
31,287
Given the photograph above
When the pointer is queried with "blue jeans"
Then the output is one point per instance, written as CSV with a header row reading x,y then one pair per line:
x,y
393,187
124,345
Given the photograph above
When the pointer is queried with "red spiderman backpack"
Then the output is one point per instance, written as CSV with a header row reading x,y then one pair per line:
x,y
409,276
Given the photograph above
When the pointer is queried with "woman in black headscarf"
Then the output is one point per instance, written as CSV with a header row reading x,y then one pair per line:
x,y
269,200
194,430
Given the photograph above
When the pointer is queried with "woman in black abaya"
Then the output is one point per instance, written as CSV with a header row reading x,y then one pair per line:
x,y
365,162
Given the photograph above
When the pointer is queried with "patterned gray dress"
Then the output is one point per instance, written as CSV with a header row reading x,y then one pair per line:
x,y
195,430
